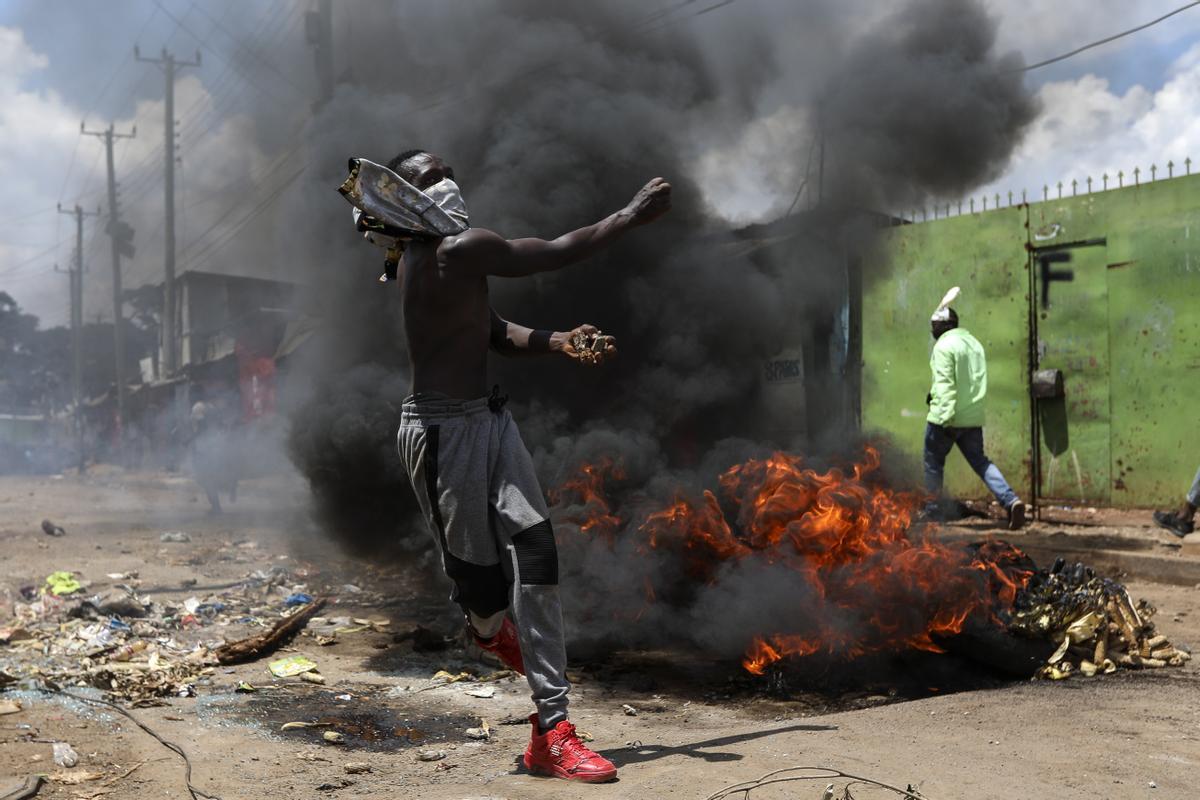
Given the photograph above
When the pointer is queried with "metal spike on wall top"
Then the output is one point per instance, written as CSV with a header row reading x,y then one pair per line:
x,y
1074,183
1170,169
1060,190
1120,178
1137,172
1089,184
1187,163
1153,172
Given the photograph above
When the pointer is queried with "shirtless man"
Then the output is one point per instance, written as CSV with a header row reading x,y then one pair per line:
x,y
473,476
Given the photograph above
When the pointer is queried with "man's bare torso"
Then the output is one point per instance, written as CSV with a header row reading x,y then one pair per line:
x,y
446,323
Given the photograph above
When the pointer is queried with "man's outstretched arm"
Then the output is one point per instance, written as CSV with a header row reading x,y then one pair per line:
x,y
482,252
510,339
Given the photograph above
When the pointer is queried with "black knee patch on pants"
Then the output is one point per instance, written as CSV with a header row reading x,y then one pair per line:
x,y
537,555
480,589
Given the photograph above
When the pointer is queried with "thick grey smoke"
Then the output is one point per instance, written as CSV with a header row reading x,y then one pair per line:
x,y
553,114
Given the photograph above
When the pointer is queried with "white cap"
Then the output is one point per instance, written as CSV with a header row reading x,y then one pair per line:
x,y
942,314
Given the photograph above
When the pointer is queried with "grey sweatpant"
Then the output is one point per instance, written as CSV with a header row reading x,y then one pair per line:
x,y
477,489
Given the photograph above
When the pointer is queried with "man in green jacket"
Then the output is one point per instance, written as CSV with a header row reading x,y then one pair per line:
x,y
956,410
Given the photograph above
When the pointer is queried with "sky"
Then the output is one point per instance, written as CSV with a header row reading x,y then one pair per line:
x,y
1127,104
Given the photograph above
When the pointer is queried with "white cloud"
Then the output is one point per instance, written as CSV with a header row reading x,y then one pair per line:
x,y
1086,129
39,134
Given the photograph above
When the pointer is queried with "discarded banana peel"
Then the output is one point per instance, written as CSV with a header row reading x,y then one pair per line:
x,y
1098,625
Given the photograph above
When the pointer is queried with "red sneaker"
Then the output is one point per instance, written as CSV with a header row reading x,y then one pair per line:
x,y
560,753
504,645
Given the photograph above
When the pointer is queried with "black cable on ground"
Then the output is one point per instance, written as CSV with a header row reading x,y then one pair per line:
x,y
815,773
196,794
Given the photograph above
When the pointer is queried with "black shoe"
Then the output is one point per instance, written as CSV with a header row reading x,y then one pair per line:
x,y
1174,523
1016,516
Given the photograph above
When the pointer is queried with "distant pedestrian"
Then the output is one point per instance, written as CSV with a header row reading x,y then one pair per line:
x,y
956,410
1181,522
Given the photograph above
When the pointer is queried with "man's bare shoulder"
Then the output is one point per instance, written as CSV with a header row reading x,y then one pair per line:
x,y
472,246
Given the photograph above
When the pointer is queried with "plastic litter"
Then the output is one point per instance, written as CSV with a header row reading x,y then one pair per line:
x,y
61,582
297,599
291,666
174,536
65,755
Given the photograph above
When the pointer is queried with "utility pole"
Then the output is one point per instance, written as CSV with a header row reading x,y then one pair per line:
x,y
169,65
122,244
319,30
77,324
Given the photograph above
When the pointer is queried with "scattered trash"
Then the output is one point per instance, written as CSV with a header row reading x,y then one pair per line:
x,y
51,529
430,755
244,688
294,726
356,767
9,707
65,755
313,677
75,778
443,677
629,710
483,692
175,536
297,599
14,634
483,732
61,583
291,666
350,588
1095,621
333,737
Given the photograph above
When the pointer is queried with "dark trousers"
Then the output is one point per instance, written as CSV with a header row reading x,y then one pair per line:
x,y
939,440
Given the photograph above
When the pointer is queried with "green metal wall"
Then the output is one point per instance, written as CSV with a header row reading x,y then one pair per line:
x,y
1125,331
903,282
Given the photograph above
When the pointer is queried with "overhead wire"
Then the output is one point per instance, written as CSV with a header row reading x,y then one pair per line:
x,y
1108,39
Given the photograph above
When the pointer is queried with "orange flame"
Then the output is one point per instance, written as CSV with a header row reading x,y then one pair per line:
x,y
846,538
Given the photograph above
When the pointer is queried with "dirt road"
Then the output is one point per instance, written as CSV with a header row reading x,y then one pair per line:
x,y
698,726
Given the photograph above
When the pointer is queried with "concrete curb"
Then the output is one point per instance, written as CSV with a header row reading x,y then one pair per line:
x,y
1136,557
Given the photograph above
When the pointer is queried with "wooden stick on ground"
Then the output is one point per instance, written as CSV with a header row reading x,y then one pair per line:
x,y
267,643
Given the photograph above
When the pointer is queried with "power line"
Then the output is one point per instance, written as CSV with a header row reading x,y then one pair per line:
x,y
14,268
96,98
1112,38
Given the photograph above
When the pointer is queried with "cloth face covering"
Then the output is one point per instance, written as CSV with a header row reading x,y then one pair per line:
x,y
389,210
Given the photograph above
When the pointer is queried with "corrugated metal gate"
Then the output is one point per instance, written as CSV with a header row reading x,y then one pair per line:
x,y
1103,286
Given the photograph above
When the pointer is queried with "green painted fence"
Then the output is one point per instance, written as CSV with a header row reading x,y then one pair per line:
x,y
1124,329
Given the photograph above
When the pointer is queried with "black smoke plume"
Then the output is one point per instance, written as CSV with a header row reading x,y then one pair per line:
x,y
553,114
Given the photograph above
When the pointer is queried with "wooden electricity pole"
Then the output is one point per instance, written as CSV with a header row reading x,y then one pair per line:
x,y
122,244
77,324
169,65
